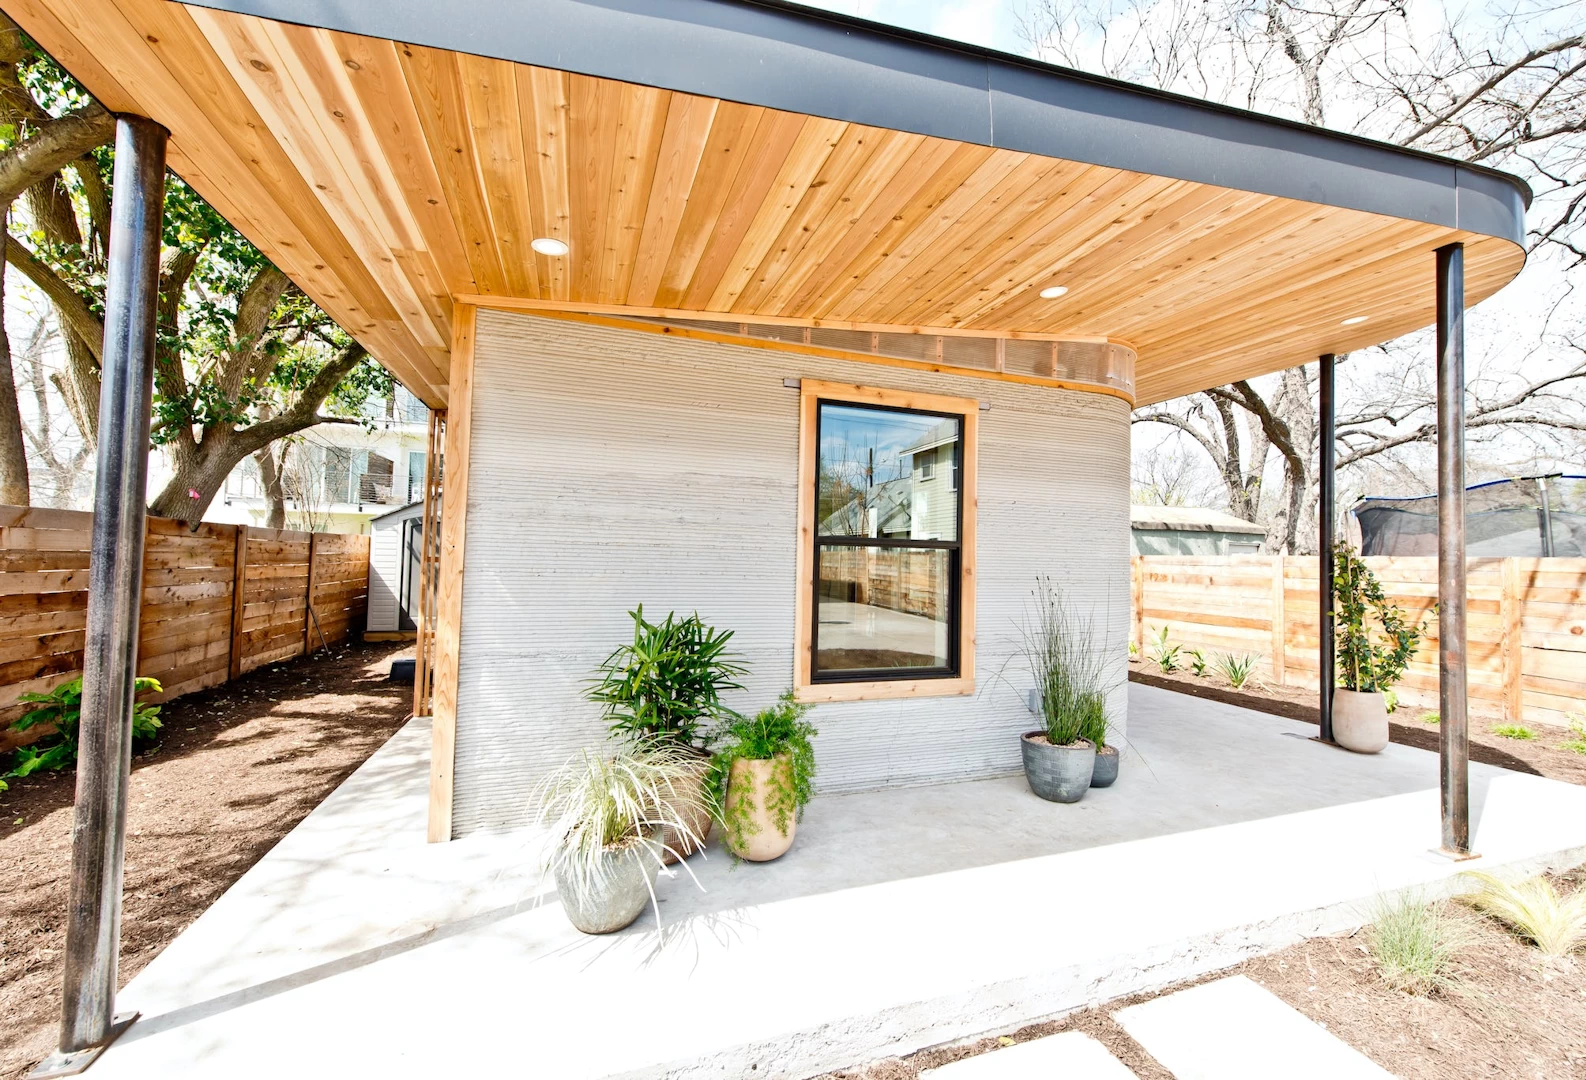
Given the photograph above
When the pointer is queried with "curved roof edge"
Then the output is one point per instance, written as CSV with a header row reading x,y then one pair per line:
x,y
788,57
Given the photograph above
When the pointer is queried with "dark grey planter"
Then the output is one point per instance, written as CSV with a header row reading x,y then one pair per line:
x,y
1057,773
1106,770
609,905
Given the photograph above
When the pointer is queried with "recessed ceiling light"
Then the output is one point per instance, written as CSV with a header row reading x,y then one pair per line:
x,y
1355,320
1053,292
547,245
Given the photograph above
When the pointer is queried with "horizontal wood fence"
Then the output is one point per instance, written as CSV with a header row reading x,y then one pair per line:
x,y
218,600
1525,623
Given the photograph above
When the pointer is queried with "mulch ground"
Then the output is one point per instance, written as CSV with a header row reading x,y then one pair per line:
x,y
1512,1014
235,769
1545,755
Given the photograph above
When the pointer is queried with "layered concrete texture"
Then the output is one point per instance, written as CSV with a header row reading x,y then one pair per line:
x,y
902,918
611,468
1232,1029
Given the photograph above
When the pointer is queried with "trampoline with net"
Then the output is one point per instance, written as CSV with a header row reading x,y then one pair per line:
x,y
1531,516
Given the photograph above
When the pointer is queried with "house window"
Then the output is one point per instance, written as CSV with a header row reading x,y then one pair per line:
x,y
886,604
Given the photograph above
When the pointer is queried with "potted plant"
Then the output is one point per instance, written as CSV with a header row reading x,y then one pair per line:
x,y
1059,760
666,685
606,817
1373,643
1093,726
762,777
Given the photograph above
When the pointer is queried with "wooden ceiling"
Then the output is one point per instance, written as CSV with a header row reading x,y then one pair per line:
x,y
391,181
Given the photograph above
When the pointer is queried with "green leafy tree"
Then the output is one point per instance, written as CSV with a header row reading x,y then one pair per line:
x,y
243,358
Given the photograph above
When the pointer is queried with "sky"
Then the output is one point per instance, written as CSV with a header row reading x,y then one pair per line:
x,y
978,22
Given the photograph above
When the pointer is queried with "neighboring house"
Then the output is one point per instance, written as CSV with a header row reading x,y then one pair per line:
x,y
1191,530
643,252
339,477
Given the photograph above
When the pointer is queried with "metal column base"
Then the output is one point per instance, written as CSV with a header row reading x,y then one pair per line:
x,y
61,1063
1455,856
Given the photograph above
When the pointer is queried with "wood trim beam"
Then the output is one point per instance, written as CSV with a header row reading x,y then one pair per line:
x,y
449,600
690,334
811,392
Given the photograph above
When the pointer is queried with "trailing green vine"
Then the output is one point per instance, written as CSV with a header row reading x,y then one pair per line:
x,y
777,732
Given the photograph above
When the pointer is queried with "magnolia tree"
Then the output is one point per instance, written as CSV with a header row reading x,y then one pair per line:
x,y
1504,87
242,357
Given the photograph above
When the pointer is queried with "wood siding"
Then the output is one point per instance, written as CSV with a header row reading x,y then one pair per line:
x,y
197,630
611,468
1525,623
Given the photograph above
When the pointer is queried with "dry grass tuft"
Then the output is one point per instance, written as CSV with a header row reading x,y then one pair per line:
x,y
1415,945
1536,911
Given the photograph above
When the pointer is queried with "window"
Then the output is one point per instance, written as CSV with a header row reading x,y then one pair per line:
x,y
886,606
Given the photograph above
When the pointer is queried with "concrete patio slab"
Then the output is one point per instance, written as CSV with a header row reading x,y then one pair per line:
x,y
1070,1055
1233,1029
901,919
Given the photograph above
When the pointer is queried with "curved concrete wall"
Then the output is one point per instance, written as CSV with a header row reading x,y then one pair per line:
x,y
611,468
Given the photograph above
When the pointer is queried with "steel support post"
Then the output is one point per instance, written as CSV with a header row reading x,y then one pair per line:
x,y
115,588
1453,728
1324,515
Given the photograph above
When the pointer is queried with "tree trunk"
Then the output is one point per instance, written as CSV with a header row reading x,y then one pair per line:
x,y
14,488
274,491
200,470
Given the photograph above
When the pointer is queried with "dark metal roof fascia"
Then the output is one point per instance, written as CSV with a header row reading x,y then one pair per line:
x,y
788,57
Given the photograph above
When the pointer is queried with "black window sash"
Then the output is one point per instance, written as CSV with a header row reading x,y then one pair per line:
x,y
955,576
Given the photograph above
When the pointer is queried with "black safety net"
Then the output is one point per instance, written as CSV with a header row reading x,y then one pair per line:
x,y
1533,516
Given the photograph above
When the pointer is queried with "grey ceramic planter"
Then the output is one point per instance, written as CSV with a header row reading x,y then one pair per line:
x,y
1106,770
613,903
1057,773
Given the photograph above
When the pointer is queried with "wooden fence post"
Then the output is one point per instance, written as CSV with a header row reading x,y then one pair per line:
x,y
239,594
1511,609
1279,619
308,595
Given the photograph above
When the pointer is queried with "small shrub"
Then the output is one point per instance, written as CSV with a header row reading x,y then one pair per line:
x,y
667,683
1414,945
1577,725
1165,655
1390,701
773,731
1513,731
1197,661
62,709
1431,718
1237,668
1534,910
1374,640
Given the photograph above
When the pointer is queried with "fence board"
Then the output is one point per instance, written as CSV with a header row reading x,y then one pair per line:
x,y
1525,625
193,618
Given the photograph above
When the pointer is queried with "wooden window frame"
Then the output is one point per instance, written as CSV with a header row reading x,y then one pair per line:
x,y
811,394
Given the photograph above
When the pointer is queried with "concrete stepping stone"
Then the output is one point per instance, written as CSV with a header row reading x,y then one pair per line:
x,y
1233,1029
1070,1055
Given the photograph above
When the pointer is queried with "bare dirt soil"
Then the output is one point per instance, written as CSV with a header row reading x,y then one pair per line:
x,y
1513,1013
1545,755
235,769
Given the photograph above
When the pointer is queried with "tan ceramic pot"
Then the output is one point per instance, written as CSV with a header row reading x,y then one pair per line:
x,y
748,790
694,811
1360,720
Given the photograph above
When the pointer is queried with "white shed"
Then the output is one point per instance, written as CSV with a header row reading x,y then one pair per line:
x,y
395,544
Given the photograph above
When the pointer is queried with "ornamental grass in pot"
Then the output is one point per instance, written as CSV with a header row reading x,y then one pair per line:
x,y
762,777
1057,647
1093,726
666,686
607,817
1373,643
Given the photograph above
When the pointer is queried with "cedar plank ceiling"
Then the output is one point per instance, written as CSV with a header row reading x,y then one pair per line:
x,y
391,180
